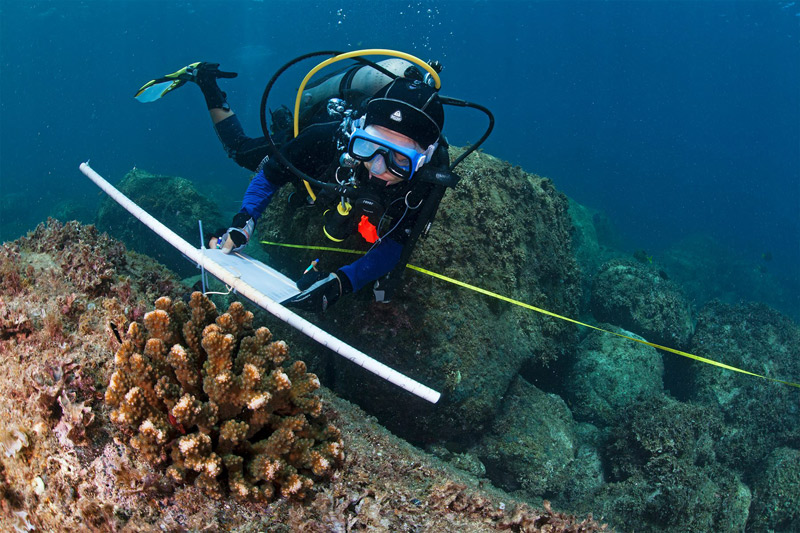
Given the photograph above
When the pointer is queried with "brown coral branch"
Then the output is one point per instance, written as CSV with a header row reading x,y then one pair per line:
x,y
209,395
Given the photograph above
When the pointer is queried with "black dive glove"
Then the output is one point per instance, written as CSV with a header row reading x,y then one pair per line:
x,y
205,75
237,235
319,290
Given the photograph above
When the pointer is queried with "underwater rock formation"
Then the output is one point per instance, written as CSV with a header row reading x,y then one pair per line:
x,y
90,261
641,299
502,229
592,243
213,393
531,444
56,357
761,416
172,200
664,474
609,374
776,493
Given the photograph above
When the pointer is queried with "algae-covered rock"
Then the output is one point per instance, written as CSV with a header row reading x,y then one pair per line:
x,y
592,242
587,472
172,200
664,472
58,336
501,229
611,373
675,497
643,300
531,444
776,493
662,426
762,415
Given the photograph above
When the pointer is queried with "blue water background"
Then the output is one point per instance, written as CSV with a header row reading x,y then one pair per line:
x,y
673,118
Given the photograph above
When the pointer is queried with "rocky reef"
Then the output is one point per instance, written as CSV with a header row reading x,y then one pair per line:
x,y
66,459
501,228
643,300
212,392
761,417
534,416
665,475
593,243
776,493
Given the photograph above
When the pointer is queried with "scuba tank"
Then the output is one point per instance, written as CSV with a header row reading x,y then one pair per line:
x,y
353,84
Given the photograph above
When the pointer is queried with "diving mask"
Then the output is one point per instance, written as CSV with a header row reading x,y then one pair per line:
x,y
402,161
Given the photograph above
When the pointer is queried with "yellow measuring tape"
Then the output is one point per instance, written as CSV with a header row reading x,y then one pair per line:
x,y
542,311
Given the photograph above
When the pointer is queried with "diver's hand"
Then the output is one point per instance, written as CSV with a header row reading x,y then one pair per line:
x,y
207,72
223,242
237,235
319,291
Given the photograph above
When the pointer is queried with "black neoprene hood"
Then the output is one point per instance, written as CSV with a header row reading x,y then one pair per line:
x,y
409,107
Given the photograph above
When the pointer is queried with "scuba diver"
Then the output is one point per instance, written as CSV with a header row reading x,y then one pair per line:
x,y
376,152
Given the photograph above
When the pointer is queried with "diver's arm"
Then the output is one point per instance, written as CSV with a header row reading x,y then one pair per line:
x,y
218,114
256,199
374,265
258,195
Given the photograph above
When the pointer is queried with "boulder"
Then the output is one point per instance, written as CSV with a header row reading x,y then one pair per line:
x,y
611,373
643,300
174,201
593,242
776,493
664,473
532,443
761,415
501,229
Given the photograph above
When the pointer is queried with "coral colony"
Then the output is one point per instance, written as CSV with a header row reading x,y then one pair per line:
x,y
208,394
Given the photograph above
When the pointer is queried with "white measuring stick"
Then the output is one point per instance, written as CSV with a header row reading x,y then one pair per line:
x,y
260,299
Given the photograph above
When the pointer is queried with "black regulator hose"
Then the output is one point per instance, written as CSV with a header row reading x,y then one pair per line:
x,y
265,127
463,103
339,189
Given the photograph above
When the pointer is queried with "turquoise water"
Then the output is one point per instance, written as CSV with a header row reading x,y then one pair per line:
x,y
672,118
679,122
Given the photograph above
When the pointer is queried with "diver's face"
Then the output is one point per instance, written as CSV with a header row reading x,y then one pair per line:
x,y
393,137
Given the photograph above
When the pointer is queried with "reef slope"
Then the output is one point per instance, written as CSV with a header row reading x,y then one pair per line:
x,y
66,291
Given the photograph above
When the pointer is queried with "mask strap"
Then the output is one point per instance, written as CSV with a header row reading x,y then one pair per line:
x,y
429,152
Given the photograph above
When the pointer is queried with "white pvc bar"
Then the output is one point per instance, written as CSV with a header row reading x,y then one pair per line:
x,y
252,294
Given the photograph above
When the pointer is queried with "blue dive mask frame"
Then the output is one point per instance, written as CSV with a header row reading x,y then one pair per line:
x,y
401,161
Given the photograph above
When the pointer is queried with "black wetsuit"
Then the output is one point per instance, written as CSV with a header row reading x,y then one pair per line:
x,y
315,153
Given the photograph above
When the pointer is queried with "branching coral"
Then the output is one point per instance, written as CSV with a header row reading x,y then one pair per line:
x,y
210,395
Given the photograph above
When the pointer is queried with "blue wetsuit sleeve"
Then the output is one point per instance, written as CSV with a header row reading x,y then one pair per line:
x,y
376,263
258,195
